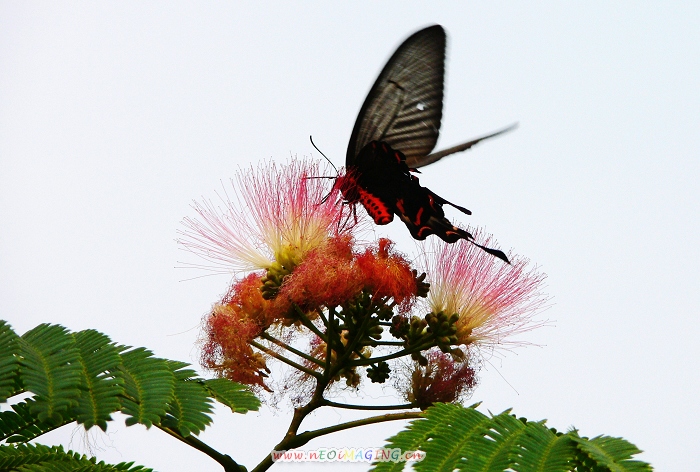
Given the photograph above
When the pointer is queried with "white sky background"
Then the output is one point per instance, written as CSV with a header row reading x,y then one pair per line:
x,y
114,116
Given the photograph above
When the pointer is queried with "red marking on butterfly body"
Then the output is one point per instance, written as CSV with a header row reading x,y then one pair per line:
x,y
376,209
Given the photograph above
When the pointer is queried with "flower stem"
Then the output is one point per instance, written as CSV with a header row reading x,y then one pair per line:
x,y
307,323
352,346
291,349
280,358
401,353
388,343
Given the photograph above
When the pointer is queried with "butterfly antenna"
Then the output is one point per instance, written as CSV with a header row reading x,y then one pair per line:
x,y
321,152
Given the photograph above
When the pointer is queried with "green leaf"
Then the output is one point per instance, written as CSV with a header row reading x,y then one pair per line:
x,y
21,425
14,456
543,450
455,429
189,408
101,380
613,454
413,437
458,438
236,396
9,361
50,369
39,458
85,465
492,449
149,387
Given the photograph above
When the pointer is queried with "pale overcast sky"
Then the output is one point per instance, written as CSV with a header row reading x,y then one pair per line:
x,y
115,115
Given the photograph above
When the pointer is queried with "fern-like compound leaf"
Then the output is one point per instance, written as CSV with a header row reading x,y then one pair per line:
x,y
492,449
9,361
412,438
20,425
541,449
149,386
50,369
13,457
608,453
39,458
458,438
101,379
190,406
457,429
232,394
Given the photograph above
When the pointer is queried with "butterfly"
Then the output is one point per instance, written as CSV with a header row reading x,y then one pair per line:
x,y
395,131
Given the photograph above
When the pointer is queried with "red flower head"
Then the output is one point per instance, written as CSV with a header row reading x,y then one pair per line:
x,y
442,379
327,277
388,274
332,275
241,316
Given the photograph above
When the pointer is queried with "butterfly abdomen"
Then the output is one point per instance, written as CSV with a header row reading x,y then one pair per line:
x,y
353,193
381,214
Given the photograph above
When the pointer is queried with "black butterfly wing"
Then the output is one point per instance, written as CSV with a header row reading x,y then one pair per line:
x,y
420,161
404,106
421,211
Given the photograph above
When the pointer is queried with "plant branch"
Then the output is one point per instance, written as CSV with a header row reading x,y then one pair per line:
x,y
307,436
330,330
225,460
388,343
405,406
401,353
292,441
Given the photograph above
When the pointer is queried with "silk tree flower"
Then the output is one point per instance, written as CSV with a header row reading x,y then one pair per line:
x,y
274,216
388,274
441,379
241,316
493,300
333,275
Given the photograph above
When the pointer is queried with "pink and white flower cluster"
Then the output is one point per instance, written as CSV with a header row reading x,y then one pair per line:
x,y
293,246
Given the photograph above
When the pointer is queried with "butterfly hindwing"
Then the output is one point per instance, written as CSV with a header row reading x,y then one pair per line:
x,y
384,183
421,211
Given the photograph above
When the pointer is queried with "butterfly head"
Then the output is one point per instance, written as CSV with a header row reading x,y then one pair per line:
x,y
346,184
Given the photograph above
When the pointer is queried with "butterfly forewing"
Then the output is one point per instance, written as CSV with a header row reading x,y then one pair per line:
x,y
404,106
